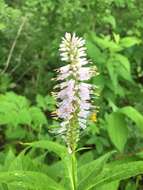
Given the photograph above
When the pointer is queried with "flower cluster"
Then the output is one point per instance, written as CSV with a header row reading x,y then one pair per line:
x,y
74,93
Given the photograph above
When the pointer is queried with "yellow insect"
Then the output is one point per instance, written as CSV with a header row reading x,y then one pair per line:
x,y
93,117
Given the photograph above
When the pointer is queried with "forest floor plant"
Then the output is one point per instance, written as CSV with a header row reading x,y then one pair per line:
x,y
74,106
74,94
73,109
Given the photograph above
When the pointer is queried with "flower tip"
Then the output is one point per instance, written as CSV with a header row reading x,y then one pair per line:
x,y
68,36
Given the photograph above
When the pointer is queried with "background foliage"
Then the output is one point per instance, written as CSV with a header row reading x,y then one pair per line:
x,y
30,33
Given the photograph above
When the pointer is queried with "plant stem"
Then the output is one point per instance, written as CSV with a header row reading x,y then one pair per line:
x,y
74,170
14,44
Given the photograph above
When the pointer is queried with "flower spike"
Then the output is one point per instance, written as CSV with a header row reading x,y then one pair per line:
x,y
74,93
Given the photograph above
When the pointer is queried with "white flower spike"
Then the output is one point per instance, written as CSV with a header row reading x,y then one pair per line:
x,y
74,93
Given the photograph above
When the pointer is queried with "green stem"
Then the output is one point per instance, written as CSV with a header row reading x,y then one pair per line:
x,y
74,171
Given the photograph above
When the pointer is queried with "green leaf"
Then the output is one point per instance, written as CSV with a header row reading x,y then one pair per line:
x,y
123,67
129,41
9,158
118,65
116,37
95,53
19,133
50,100
131,186
28,179
49,145
117,129
105,42
2,26
109,186
21,162
70,171
38,117
110,20
134,115
91,169
117,172
112,72
85,158
56,170
14,109
41,101
24,117
46,103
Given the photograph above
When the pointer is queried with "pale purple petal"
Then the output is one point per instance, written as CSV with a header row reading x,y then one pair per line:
x,y
84,73
85,105
84,114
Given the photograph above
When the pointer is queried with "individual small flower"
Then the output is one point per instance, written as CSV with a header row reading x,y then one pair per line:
x,y
84,91
65,110
85,73
68,91
74,92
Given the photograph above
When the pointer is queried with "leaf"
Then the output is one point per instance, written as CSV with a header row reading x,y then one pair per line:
x,y
46,103
21,162
116,173
18,101
112,72
118,65
56,170
91,169
95,53
110,20
123,67
38,117
116,37
49,145
14,109
109,186
60,151
19,133
117,129
85,158
131,186
2,26
134,115
41,101
9,158
32,180
70,171
129,41
24,117
50,100
106,43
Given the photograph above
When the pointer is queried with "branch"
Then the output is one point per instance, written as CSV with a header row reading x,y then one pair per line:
x,y
13,45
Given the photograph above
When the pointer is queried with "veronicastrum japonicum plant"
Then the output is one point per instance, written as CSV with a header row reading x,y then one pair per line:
x,y
74,96
74,106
